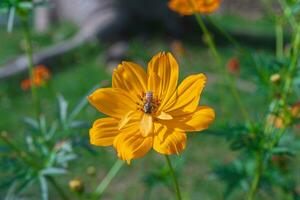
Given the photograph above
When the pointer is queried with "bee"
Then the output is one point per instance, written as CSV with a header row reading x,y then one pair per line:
x,y
148,105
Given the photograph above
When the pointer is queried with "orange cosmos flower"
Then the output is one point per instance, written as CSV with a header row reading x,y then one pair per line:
x,y
40,76
189,7
146,109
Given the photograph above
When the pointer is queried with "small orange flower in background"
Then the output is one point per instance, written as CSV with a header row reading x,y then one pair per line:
x,y
146,109
41,75
295,110
233,65
189,7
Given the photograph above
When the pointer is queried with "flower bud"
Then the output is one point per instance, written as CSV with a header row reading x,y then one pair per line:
x,y
91,170
233,65
295,110
276,121
76,185
275,78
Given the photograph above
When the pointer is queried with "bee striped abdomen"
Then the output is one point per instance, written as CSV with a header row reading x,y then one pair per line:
x,y
148,104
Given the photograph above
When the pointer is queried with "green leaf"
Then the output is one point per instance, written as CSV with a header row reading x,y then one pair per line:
x,y
43,125
52,131
44,187
64,159
63,109
31,123
25,5
283,150
79,124
10,195
81,104
53,171
11,19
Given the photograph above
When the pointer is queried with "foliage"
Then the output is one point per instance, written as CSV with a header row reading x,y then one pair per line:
x,y
44,152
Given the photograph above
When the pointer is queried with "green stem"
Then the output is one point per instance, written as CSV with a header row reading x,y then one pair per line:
x,y
242,50
108,178
225,34
57,188
218,58
257,175
208,38
279,38
288,14
275,109
176,186
29,55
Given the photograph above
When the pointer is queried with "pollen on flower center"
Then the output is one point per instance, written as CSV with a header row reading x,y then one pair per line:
x,y
149,103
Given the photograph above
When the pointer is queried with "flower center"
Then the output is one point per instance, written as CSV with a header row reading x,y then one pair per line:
x,y
149,103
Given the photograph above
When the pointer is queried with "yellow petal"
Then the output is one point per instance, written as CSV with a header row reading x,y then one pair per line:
x,y
130,77
146,125
200,120
164,116
165,67
197,121
131,145
187,97
112,101
104,132
153,83
167,140
129,117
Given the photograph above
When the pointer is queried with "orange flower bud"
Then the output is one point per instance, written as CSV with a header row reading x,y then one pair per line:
x,y
296,110
277,121
233,65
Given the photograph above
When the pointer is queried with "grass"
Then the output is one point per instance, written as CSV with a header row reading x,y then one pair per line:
x,y
76,75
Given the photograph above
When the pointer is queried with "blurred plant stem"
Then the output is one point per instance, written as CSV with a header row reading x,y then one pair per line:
x,y
208,39
176,186
275,107
108,178
279,38
28,50
258,172
57,188
229,80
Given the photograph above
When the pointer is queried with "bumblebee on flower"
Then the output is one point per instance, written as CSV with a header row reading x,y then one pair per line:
x,y
147,110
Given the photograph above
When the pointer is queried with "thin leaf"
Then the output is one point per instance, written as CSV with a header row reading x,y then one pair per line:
x,y
53,171
44,187
25,5
52,131
31,122
43,125
11,19
81,104
63,108
79,124
10,195
283,150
